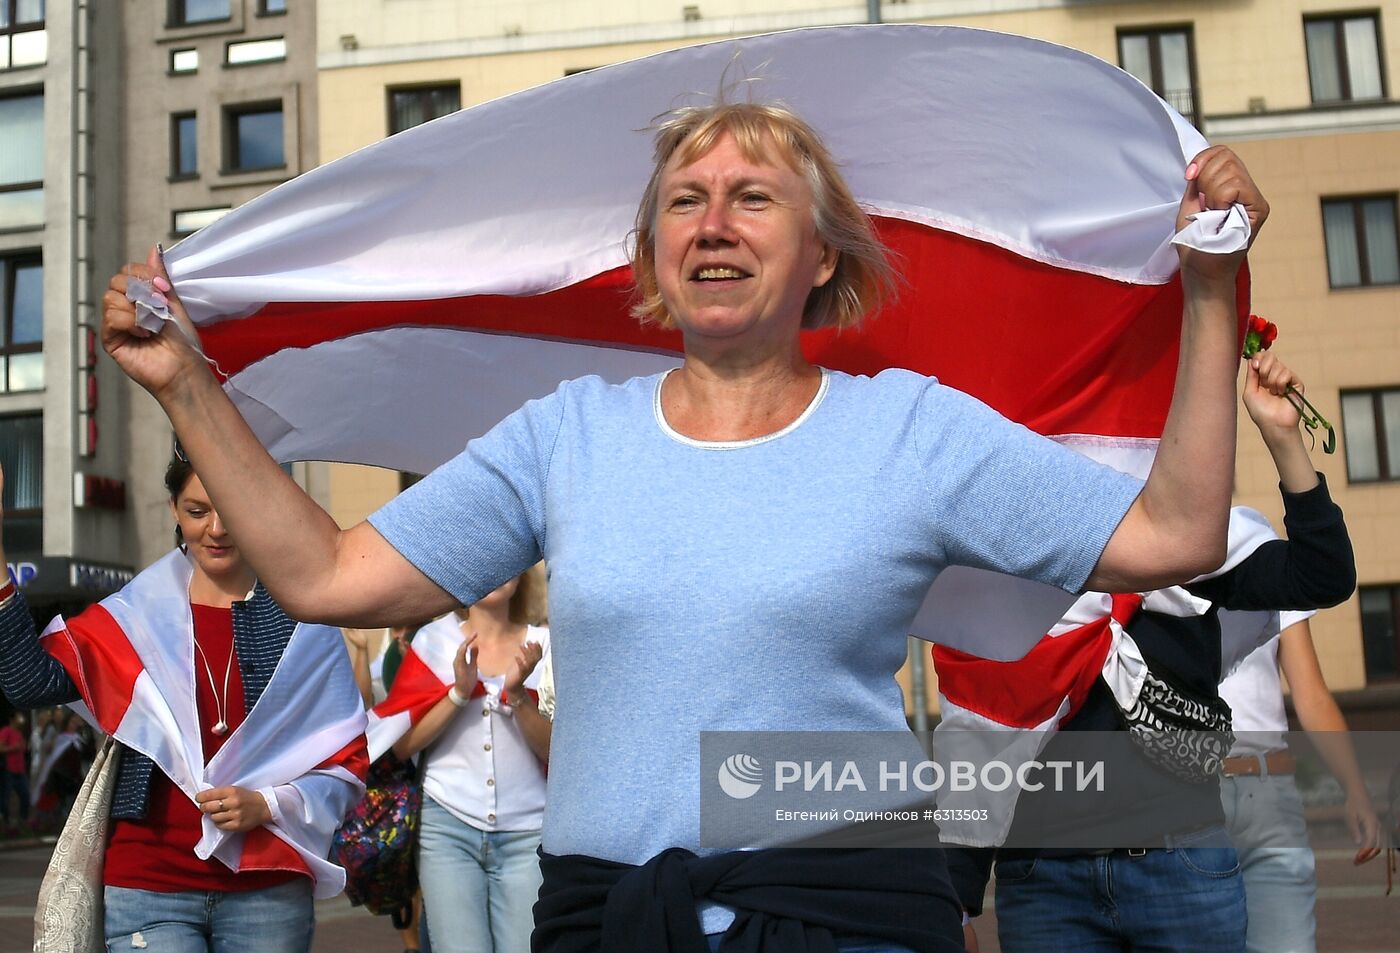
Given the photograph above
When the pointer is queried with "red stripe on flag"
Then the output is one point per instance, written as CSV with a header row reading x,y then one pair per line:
x,y
264,850
354,758
1027,692
101,661
1058,350
416,688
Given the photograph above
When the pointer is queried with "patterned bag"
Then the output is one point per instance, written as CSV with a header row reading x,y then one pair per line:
x,y
68,917
376,842
1186,737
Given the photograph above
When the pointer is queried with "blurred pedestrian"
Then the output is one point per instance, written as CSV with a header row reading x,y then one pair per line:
x,y
14,773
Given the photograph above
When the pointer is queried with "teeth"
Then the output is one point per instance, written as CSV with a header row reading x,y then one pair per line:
x,y
707,274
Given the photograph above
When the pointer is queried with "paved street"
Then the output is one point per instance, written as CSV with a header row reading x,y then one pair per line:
x,y
1353,914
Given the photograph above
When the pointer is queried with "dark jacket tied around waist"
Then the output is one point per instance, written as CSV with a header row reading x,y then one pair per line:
x,y
786,901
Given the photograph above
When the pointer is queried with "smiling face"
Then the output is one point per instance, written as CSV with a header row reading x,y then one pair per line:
x,y
208,542
736,248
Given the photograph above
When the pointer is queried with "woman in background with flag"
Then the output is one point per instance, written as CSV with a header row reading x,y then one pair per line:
x,y
213,847
743,542
466,697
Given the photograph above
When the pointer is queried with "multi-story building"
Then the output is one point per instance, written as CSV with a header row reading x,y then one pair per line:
x,y
219,105
60,446
121,125
1300,88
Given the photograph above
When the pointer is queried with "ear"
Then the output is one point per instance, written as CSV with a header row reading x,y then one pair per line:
x,y
826,265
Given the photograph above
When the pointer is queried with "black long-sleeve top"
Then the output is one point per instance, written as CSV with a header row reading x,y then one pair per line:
x,y
1312,569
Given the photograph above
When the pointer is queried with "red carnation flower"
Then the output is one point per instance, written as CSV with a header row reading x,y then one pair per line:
x,y
1260,335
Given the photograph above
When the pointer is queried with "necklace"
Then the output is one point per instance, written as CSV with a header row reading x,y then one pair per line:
x,y
220,704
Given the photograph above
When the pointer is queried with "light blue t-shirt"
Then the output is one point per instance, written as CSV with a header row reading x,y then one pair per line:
x,y
766,585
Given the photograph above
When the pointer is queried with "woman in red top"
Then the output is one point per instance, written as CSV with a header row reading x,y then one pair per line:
x,y
14,773
192,865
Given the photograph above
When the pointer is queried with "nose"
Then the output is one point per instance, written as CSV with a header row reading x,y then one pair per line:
x,y
216,525
717,226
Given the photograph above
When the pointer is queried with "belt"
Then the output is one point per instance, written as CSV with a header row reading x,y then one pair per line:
x,y
1260,765
1166,841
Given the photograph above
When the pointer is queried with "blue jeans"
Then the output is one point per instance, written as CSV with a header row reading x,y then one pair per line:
x,y
276,920
479,887
1264,816
1188,898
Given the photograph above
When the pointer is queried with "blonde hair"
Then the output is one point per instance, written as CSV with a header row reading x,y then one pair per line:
x,y
529,605
863,279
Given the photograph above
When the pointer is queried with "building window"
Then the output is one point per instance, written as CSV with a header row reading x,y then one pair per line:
x,y
184,61
1361,241
255,51
253,138
410,107
1371,426
22,161
1344,57
1163,58
22,456
184,146
21,323
23,39
188,221
191,12
1380,631
267,8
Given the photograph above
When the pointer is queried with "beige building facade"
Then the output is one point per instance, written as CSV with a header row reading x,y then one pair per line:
x,y
60,445
1302,89
219,100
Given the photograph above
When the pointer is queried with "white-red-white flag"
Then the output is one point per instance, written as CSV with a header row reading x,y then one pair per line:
x,y
397,302
132,659
423,679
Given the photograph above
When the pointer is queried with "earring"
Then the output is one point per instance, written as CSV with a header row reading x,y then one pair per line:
x,y
180,540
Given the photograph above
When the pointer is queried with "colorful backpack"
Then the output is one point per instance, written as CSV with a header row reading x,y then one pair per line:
x,y
377,840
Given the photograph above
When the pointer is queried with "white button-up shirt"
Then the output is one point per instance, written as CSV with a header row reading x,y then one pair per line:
x,y
480,767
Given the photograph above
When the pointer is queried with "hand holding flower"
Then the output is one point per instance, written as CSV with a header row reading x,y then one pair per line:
x,y
1269,385
1259,337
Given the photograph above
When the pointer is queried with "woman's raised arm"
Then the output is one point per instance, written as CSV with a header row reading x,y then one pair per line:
x,y
315,570
1176,528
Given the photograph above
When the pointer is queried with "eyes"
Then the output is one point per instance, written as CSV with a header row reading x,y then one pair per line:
x,y
196,512
751,200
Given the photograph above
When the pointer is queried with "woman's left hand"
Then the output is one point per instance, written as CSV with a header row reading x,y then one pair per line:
x,y
234,808
1217,179
520,668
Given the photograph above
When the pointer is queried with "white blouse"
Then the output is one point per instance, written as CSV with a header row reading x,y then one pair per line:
x,y
481,769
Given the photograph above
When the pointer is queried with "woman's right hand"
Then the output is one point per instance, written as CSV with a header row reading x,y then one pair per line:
x,y
155,361
464,666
